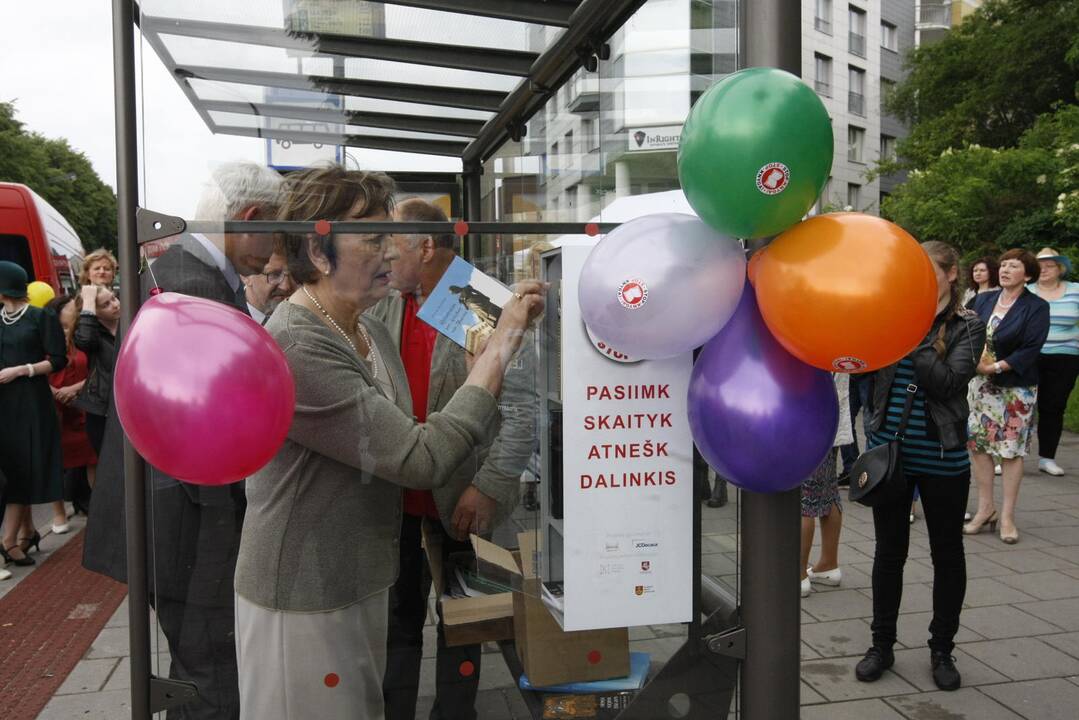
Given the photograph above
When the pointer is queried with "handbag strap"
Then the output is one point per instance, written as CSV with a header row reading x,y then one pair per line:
x,y
900,431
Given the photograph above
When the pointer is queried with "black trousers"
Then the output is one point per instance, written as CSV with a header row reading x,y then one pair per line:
x,y
95,430
202,647
1056,379
457,669
944,500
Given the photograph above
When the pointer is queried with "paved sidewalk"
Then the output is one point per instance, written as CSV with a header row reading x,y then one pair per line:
x,y
1018,644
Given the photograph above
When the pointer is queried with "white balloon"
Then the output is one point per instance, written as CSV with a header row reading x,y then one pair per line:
x,y
661,285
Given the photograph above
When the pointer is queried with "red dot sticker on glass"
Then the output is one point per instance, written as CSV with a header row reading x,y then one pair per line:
x,y
323,227
594,657
466,668
591,229
460,228
331,680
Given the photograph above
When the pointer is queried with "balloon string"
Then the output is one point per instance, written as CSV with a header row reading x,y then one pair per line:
x,y
150,268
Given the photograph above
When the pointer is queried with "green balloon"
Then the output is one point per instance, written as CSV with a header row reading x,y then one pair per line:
x,y
755,153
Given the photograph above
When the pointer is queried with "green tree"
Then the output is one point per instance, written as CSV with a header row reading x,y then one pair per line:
x,y
988,80
993,152
62,176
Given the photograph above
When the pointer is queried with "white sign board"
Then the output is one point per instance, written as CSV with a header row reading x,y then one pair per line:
x,y
286,154
654,138
627,479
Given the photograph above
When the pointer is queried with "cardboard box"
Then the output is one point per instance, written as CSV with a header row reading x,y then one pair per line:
x,y
468,621
549,654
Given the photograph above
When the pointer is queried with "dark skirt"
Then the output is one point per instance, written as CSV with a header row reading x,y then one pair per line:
x,y
30,458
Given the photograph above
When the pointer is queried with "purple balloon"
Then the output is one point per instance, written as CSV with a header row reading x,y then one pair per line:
x,y
761,417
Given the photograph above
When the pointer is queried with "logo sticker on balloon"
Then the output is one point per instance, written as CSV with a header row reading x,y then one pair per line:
x,y
605,349
849,364
633,294
773,178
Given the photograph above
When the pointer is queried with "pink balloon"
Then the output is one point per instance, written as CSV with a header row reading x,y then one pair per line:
x,y
202,390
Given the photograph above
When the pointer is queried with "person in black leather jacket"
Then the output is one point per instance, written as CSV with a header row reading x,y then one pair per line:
x,y
935,461
95,335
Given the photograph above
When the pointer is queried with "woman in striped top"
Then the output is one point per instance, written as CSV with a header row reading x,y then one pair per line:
x,y
935,462
1058,363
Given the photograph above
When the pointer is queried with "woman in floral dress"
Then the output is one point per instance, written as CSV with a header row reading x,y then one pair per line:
x,y
1005,391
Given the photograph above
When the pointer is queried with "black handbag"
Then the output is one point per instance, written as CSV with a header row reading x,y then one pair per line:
x,y
877,475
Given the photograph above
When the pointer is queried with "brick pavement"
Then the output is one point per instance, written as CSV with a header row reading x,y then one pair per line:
x,y
1018,646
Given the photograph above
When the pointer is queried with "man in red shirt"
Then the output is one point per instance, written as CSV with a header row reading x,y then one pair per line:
x,y
480,495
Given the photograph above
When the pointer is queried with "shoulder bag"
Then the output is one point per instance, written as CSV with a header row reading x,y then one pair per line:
x,y
877,476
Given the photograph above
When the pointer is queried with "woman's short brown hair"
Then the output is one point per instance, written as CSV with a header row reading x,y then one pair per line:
x,y
327,193
93,258
1030,263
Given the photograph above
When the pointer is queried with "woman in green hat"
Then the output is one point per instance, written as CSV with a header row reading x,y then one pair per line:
x,y
31,346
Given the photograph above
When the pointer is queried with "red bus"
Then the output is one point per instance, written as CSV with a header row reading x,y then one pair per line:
x,y
37,237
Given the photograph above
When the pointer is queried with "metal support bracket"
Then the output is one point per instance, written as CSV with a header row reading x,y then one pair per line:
x,y
154,225
517,131
165,694
731,643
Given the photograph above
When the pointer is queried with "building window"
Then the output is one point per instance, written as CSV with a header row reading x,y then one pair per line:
x,y
570,150
889,36
854,193
822,20
822,82
887,147
887,87
856,44
855,144
555,164
856,90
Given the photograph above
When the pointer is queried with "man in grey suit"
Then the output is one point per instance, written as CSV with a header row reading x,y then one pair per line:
x,y
482,493
194,529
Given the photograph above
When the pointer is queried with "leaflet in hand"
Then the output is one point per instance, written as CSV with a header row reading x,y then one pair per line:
x,y
465,305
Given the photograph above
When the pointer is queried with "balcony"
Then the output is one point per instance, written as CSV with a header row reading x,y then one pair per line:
x,y
856,103
822,88
934,16
856,44
584,94
822,25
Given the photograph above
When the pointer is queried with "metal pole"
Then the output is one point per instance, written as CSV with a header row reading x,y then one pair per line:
x,y
770,36
127,200
472,192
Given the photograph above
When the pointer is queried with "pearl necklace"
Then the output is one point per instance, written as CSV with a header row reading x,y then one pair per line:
x,y
12,318
359,327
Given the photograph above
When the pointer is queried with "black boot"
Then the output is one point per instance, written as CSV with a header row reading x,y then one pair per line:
x,y
873,665
718,497
944,673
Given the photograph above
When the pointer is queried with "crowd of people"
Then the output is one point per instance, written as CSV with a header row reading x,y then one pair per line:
x,y
311,573
997,367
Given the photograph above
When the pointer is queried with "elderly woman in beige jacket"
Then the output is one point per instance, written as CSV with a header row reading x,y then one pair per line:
x,y
318,553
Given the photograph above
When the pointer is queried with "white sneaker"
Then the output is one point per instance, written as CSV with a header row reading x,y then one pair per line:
x,y
1049,466
4,574
829,577
60,529
997,470
806,588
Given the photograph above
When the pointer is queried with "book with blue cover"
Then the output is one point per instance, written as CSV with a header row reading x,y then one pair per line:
x,y
465,305
639,663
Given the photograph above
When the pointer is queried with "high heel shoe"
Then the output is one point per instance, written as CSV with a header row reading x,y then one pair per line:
x,y
24,561
973,528
1009,538
34,541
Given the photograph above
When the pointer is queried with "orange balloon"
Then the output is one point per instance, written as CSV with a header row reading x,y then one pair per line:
x,y
751,268
846,292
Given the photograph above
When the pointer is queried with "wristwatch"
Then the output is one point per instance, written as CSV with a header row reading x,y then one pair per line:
x,y
997,368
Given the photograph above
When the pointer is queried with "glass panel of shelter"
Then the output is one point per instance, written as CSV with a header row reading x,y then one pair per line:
x,y
583,159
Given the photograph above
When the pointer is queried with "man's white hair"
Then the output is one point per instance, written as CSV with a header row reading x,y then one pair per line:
x,y
236,186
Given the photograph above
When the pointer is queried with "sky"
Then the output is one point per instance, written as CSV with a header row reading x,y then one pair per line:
x,y
56,64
